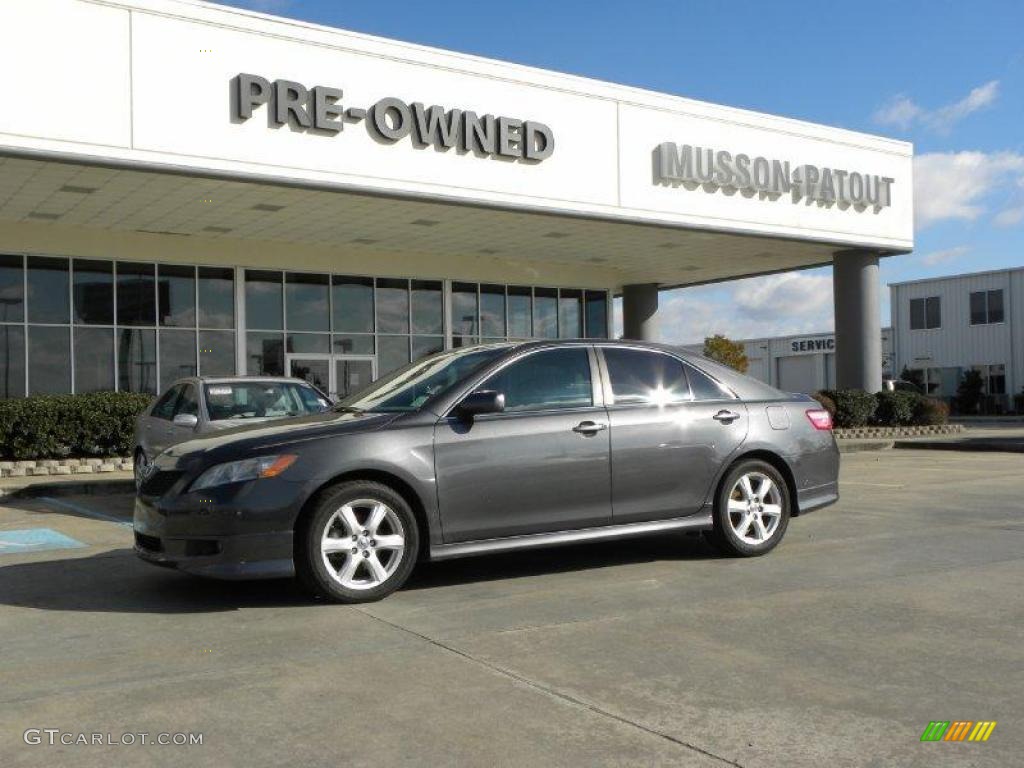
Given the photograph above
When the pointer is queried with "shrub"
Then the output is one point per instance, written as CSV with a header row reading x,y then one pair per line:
x,y
896,409
59,426
854,407
930,411
827,403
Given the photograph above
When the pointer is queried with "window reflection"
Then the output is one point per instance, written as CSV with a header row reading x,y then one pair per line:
x,y
47,290
392,306
93,292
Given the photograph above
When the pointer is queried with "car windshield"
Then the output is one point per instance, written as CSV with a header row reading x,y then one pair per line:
x,y
409,387
262,400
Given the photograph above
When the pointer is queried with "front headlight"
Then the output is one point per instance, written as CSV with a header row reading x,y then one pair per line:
x,y
240,471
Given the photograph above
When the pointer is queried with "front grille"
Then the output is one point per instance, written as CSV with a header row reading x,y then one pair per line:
x,y
159,483
200,547
149,543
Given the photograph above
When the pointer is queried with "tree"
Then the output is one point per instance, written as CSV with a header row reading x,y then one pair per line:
x,y
727,352
969,392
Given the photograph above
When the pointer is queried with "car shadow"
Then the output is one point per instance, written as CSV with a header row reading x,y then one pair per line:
x,y
116,581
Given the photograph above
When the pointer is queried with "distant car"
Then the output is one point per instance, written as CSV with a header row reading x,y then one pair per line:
x,y
487,449
901,385
198,406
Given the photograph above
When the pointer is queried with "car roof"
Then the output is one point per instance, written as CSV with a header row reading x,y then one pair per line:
x,y
236,380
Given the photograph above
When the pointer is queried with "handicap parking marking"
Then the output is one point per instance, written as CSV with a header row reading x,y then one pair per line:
x,y
35,540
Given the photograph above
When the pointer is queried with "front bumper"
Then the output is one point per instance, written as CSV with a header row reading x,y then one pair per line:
x,y
241,531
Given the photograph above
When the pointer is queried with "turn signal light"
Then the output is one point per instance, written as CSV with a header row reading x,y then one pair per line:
x,y
820,418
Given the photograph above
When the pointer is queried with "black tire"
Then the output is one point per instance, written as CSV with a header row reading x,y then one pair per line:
x,y
723,536
310,567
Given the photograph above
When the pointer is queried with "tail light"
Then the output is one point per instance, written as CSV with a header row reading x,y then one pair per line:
x,y
820,418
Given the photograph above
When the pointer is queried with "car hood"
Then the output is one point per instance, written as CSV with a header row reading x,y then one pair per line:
x,y
269,434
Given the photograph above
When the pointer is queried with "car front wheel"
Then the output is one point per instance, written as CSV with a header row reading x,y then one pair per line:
x,y
752,510
359,543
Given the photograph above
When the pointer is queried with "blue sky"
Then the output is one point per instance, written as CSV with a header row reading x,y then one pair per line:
x,y
947,75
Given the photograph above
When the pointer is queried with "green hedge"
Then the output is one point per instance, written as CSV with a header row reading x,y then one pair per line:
x,y
61,426
855,408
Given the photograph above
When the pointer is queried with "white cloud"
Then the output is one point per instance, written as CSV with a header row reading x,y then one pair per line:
x,y
902,112
1010,217
787,303
944,256
953,185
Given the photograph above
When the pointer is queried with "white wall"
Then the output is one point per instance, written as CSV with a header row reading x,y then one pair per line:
x,y
75,60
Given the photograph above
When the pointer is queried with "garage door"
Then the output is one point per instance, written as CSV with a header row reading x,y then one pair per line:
x,y
796,374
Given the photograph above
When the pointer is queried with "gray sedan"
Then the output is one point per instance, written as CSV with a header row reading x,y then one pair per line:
x,y
488,449
197,406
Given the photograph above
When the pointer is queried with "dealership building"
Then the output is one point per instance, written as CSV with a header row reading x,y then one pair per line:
x,y
188,188
946,326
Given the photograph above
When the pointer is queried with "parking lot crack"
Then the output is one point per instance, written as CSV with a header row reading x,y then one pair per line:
x,y
552,692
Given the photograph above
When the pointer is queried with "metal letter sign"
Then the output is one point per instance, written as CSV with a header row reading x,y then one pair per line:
x,y
390,120
770,179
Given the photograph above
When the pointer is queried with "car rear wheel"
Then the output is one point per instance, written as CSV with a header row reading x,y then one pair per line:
x,y
359,544
752,510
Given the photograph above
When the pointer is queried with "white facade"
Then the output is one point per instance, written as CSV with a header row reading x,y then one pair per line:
x,y
992,341
802,362
207,145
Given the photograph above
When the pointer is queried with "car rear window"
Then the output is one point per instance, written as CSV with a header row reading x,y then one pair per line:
x,y
262,400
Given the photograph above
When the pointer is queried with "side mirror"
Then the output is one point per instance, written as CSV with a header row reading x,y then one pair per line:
x,y
481,401
186,420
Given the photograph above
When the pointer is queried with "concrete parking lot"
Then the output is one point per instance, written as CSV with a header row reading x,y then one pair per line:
x,y
899,606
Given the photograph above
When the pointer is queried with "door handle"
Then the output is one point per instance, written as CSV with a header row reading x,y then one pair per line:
x,y
589,427
726,417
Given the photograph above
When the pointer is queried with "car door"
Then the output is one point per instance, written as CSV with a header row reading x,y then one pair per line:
x,y
667,437
157,426
541,465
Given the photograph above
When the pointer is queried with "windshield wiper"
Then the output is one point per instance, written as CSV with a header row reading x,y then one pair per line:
x,y
347,409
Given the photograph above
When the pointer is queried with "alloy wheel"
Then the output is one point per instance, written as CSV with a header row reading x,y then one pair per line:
x,y
362,544
755,508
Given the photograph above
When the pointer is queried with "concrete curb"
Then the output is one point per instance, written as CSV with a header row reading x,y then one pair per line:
x,y
895,433
860,446
64,467
966,445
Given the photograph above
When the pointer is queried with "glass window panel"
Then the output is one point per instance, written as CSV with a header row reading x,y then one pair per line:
x,y
916,314
216,297
136,360
645,377
263,292
164,408
136,300
49,359
264,353
554,378
353,304
12,289
94,359
704,387
392,353
217,353
93,292
176,295
12,358
545,313
306,343
188,403
47,291
570,314
426,345
597,314
520,313
177,355
427,307
392,306
464,310
995,306
306,297
353,344
978,314
933,312
492,310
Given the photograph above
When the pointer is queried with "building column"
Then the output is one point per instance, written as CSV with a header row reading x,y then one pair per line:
x,y
640,312
858,326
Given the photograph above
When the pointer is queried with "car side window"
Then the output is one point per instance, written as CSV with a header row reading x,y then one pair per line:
x,y
164,408
188,404
706,388
650,378
551,378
